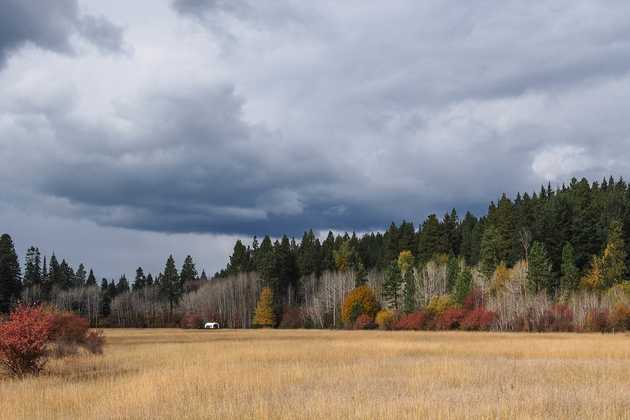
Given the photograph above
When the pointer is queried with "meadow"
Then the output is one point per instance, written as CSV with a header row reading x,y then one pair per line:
x,y
315,374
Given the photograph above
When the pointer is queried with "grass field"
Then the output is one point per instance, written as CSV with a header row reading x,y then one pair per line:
x,y
283,374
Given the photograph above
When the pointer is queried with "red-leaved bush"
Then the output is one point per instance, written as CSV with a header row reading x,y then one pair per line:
x,y
450,319
558,318
364,322
23,340
478,319
70,332
413,321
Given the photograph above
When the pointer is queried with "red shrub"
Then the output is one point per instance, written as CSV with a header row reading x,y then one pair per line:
x,y
364,322
558,318
450,319
23,340
292,318
479,319
71,332
191,322
413,321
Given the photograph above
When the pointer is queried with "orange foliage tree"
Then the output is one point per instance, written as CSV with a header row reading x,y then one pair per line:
x,y
360,301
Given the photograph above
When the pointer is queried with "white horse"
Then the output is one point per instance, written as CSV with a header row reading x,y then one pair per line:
x,y
211,325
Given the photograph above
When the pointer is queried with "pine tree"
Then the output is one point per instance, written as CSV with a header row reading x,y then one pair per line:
x,y
452,271
391,242
392,284
170,285
452,233
489,251
264,316
466,246
91,280
203,277
239,260
614,256
149,280
10,274
66,276
539,275
407,237
32,268
140,281
80,277
189,272
55,277
431,240
123,285
570,274
463,285
308,256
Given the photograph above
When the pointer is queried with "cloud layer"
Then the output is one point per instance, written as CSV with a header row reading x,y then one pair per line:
x,y
248,117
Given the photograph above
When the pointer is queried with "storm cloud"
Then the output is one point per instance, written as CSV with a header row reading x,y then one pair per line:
x,y
248,117
50,25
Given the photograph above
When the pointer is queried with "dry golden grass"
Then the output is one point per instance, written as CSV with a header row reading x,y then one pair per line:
x,y
273,374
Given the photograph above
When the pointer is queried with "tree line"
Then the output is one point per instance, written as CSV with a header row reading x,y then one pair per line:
x,y
564,241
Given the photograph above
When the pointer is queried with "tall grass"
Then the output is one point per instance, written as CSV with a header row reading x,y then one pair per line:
x,y
275,374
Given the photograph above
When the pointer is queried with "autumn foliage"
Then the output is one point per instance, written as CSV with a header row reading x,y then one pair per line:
x,y
32,334
364,322
385,319
264,316
24,339
413,321
360,301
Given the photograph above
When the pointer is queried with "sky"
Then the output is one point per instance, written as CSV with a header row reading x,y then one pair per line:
x,y
132,130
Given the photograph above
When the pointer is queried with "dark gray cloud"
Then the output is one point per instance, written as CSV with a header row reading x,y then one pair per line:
x,y
50,25
272,117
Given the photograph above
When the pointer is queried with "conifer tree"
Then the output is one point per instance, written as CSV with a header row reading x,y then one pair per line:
x,y
91,280
189,272
10,274
140,281
392,284
80,277
203,276
123,285
570,274
452,271
463,285
489,251
264,316
539,275
614,257
170,285
32,268
431,240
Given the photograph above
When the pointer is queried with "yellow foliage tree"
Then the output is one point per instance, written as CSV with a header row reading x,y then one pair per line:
x,y
439,304
359,301
500,278
384,319
264,309
405,261
594,278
